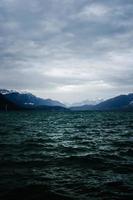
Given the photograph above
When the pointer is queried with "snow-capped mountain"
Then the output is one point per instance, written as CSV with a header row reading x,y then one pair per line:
x,y
25,99
87,102
121,102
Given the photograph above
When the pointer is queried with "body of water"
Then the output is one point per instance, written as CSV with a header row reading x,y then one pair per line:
x,y
66,155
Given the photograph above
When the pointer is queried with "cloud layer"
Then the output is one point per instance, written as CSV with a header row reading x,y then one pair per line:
x,y
68,50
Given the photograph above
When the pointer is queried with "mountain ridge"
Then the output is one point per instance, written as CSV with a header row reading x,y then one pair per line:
x,y
121,102
14,100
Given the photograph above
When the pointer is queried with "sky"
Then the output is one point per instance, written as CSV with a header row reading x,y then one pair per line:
x,y
69,50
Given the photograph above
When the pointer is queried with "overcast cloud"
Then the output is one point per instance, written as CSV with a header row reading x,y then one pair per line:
x,y
68,50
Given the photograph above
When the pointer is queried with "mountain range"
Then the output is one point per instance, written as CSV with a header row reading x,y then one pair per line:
x,y
121,102
86,102
14,100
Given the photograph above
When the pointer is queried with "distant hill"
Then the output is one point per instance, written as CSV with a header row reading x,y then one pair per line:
x,y
13,100
82,108
86,102
122,102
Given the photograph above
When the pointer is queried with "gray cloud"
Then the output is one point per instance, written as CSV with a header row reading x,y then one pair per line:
x,y
67,49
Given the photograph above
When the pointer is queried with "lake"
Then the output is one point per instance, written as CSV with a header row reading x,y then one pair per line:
x,y
66,155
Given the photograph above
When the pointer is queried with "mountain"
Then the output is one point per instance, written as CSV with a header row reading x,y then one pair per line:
x,y
16,100
5,104
116,103
87,102
129,107
122,102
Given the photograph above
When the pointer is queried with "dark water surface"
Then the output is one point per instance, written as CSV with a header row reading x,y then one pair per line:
x,y
81,155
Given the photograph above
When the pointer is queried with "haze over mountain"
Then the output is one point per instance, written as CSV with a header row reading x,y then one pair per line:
x,y
86,102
